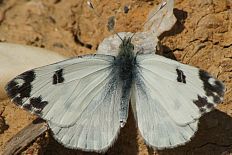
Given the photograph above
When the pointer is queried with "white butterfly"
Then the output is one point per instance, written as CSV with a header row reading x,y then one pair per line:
x,y
86,99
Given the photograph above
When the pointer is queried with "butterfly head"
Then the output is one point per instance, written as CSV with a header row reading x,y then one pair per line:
x,y
126,47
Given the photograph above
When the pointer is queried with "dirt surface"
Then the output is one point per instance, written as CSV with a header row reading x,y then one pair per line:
x,y
201,37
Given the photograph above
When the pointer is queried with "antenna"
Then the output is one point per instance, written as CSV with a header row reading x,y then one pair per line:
x,y
161,6
90,4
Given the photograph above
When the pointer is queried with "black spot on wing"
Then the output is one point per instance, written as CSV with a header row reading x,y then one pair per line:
x,y
201,101
58,77
202,110
18,100
180,76
210,106
28,76
12,88
37,104
203,104
18,91
216,90
27,106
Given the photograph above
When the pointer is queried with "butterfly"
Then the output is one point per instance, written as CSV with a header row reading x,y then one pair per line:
x,y
85,99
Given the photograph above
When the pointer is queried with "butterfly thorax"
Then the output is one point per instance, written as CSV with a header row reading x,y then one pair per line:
x,y
125,59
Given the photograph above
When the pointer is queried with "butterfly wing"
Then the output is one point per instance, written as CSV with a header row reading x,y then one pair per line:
x,y
169,97
79,98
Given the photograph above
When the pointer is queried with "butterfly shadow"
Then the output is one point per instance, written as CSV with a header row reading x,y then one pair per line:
x,y
214,137
166,52
178,26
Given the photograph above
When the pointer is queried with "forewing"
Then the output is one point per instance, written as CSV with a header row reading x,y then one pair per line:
x,y
61,92
169,99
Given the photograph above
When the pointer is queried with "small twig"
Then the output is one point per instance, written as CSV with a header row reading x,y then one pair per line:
x,y
25,137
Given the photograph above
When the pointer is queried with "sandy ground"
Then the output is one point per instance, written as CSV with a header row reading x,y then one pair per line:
x,y
201,37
